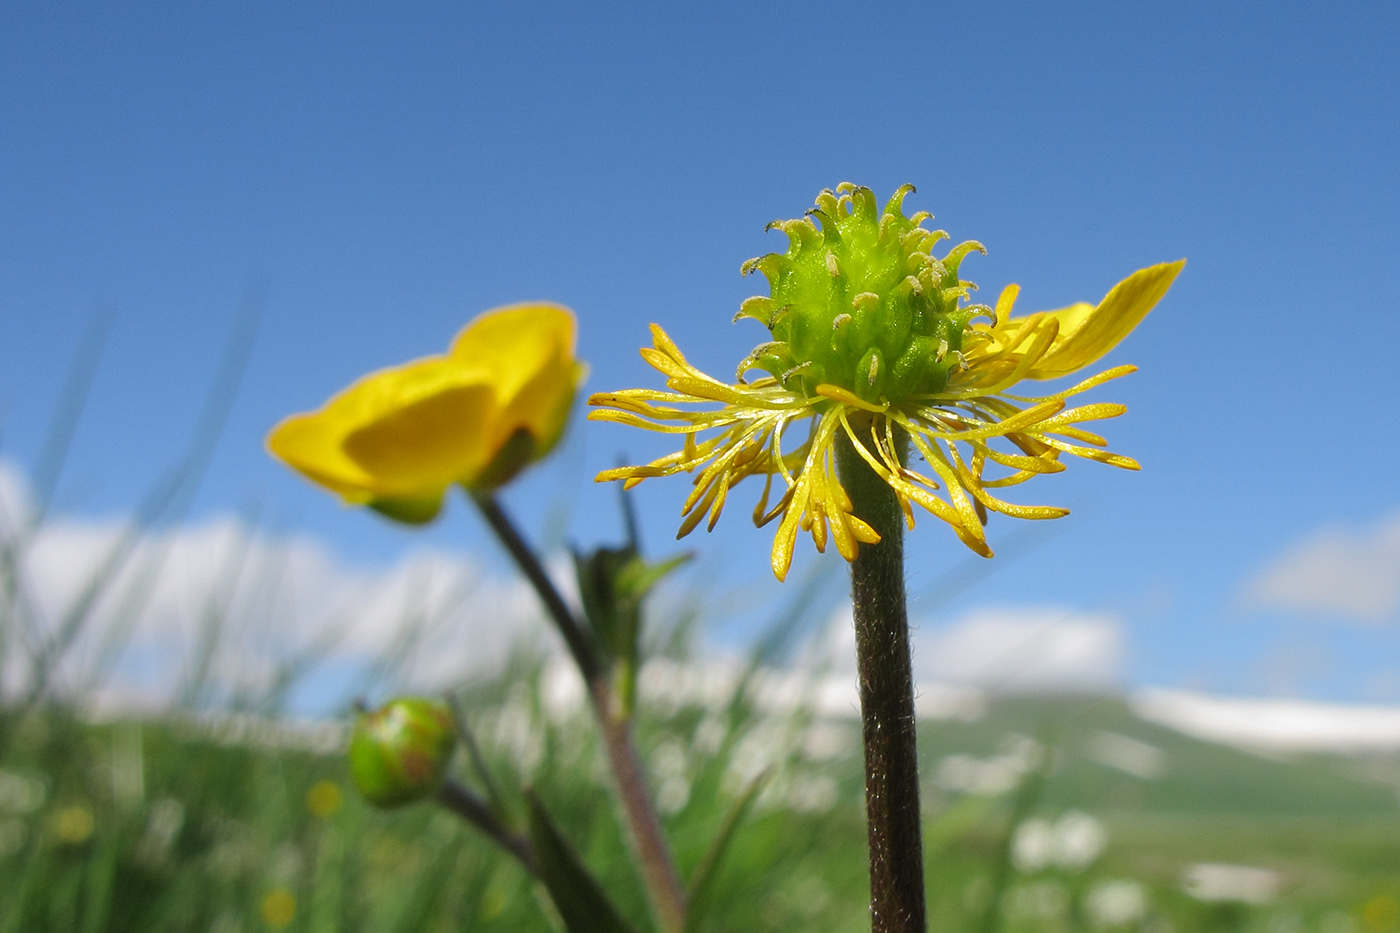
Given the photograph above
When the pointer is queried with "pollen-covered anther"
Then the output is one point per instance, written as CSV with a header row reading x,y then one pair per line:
x,y
840,321
832,265
866,301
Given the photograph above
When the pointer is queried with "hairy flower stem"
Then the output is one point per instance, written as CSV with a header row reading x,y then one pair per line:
x,y
658,867
886,701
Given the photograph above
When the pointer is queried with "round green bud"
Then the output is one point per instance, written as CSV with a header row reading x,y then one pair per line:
x,y
860,301
399,753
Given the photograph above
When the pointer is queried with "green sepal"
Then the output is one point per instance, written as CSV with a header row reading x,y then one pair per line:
x,y
581,901
409,510
515,455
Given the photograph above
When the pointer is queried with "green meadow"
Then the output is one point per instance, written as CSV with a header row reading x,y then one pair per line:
x,y
226,824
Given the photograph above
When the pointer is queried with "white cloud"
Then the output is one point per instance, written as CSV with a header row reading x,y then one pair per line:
x,y
1016,649
14,495
267,603
1001,649
1272,725
1342,571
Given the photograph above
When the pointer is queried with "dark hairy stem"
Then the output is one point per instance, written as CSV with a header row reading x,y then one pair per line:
x,y
886,702
658,867
474,810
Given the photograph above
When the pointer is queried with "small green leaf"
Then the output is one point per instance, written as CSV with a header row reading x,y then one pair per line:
x,y
613,583
581,901
636,578
702,880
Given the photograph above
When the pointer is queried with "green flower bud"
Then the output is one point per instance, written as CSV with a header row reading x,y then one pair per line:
x,y
399,753
861,302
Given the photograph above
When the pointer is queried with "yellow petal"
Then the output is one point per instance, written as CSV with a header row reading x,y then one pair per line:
x,y
310,444
407,431
429,442
1088,332
513,344
527,352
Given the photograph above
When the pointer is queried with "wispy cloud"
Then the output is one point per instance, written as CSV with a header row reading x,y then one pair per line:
x,y
1344,572
1025,648
1272,725
231,609
1012,649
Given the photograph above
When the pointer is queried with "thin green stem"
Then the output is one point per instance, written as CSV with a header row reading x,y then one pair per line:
x,y
579,645
480,814
886,702
478,760
654,855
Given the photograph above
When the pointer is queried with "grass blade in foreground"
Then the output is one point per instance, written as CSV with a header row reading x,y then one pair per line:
x,y
580,899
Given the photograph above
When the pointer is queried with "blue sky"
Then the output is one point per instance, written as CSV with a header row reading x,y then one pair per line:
x,y
384,173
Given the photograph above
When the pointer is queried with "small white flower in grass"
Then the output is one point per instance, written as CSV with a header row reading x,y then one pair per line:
x,y
1116,903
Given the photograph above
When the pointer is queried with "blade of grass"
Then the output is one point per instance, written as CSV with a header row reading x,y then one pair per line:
x,y
703,880
580,899
168,499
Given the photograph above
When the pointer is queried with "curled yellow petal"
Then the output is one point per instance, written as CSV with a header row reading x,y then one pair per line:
x,y
1088,332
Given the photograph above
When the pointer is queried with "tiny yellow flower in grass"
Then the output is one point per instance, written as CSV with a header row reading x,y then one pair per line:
x,y
74,824
324,799
279,908
396,439
873,339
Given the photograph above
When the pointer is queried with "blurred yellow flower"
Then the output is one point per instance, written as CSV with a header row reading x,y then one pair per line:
x,y
872,341
324,799
1381,913
397,438
74,824
279,908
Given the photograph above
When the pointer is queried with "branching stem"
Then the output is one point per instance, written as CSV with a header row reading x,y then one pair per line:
x,y
654,855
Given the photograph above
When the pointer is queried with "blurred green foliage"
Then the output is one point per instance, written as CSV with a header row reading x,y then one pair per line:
x,y
227,824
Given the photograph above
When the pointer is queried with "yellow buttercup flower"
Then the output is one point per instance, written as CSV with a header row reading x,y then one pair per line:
x,y
396,439
873,340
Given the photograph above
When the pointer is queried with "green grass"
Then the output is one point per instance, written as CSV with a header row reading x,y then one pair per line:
x,y
189,831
